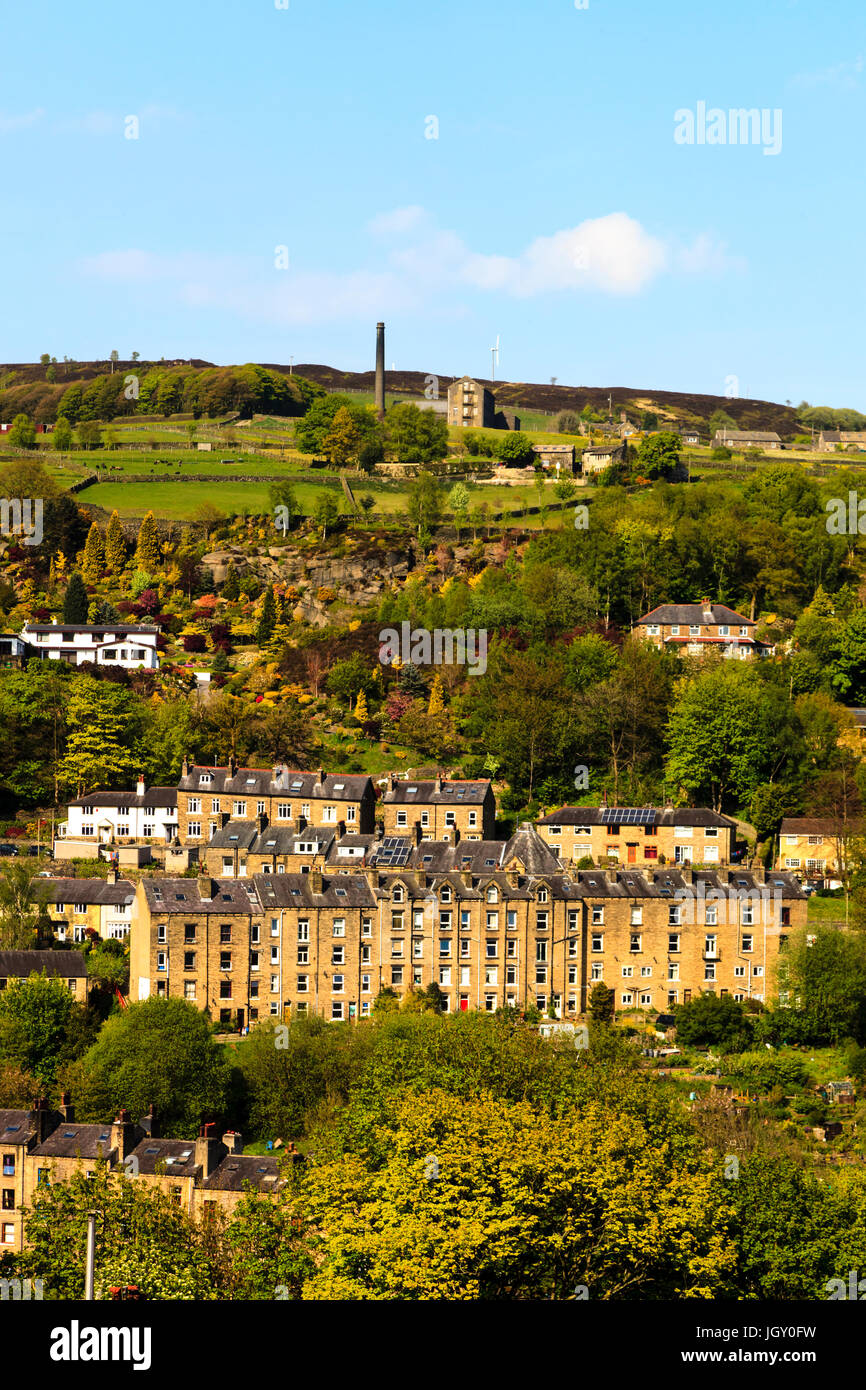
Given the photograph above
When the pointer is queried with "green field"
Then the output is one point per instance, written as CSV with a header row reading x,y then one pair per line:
x,y
180,501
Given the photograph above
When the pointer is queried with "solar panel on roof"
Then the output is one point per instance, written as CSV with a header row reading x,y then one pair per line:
x,y
411,790
296,786
394,850
628,815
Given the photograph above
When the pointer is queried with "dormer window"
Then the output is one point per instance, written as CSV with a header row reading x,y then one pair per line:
x,y
205,779
398,893
542,895
492,895
445,894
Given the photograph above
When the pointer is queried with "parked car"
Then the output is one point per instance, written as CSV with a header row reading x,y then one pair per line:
x,y
8,850
34,851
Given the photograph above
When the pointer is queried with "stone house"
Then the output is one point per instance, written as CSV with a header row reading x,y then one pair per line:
x,y
645,836
209,797
440,806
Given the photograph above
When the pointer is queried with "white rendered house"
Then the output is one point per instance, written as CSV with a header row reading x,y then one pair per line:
x,y
131,645
148,813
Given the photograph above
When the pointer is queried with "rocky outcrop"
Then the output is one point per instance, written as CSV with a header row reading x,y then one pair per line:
x,y
354,579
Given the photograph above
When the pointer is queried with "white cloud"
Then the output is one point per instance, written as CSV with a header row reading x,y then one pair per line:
x,y
417,266
397,222
20,122
844,75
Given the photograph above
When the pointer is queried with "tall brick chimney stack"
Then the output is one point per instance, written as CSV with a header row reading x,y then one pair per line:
x,y
380,370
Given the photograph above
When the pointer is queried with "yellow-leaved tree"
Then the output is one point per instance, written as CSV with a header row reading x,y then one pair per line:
x,y
481,1198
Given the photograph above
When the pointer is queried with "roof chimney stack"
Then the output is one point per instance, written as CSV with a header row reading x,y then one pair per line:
x,y
380,371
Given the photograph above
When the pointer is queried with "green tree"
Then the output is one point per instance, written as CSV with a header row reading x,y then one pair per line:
x,y
142,1238
231,587
326,511
23,433
284,735
567,422
515,449
36,1019
23,916
770,803
458,501
103,725
658,455
269,1245
414,435
822,982
727,733
90,434
267,618
346,678
61,438
147,553
425,501
115,545
75,601
159,1051
715,1020
601,1003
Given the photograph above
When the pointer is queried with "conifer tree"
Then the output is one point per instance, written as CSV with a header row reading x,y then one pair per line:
x,y
267,618
115,545
362,714
231,586
75,603
94,555
147,550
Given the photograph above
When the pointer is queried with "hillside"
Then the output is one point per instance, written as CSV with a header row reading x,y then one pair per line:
x,y
686,407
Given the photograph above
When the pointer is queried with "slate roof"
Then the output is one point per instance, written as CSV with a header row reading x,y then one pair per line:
x,y
452,793
273,781
183,895
90,891
274,839
22,964
741,436
692,614
807,825
153,796
296,890
237,1169
74,1140
153,1153
16,1126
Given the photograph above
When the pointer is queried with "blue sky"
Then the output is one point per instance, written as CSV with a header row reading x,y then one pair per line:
x,y
554,208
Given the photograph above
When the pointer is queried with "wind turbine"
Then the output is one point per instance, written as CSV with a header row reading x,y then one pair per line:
x,y
494,358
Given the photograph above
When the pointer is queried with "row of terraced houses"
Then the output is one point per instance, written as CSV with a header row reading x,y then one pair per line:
x,y
311,895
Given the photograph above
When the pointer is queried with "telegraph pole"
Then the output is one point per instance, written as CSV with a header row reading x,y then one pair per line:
x,y
90,1257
